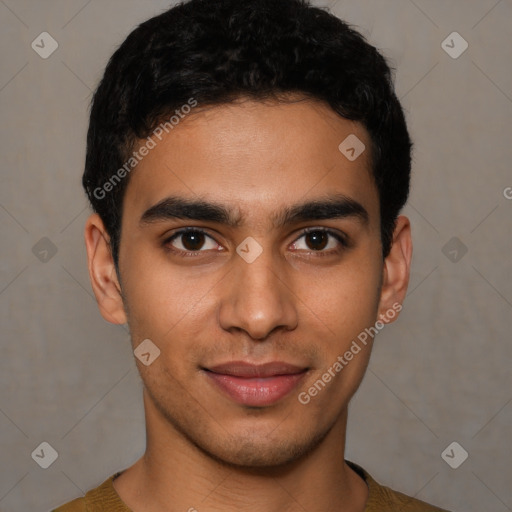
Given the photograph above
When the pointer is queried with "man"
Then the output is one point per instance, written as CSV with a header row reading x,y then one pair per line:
x,y
247,162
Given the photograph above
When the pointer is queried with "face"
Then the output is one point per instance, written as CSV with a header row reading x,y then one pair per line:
x,y
250,255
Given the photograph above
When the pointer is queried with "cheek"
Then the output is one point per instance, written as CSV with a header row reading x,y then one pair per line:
x,y
345,299
163,300
339,309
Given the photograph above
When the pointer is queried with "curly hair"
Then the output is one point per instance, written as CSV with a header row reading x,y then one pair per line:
x,y
222,50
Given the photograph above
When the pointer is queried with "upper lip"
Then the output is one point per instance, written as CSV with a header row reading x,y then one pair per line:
x,y
245,369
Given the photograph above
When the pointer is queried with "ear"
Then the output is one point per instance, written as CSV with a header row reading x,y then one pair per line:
x,y
396,271
102,271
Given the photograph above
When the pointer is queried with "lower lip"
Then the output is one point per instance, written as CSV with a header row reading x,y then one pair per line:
x,y
256,392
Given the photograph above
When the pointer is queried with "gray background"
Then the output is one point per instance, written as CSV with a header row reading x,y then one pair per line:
x,y
440,374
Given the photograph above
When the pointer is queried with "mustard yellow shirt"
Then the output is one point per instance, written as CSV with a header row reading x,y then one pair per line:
x,y
380,498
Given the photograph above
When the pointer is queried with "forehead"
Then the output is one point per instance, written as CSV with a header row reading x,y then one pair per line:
x,y
256,156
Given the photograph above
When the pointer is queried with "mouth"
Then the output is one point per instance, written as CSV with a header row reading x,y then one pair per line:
x,y
255,385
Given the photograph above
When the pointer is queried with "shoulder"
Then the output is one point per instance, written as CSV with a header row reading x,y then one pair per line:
x,y
384,499
103,497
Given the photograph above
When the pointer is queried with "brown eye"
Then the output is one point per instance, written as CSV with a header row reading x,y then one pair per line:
x,y
191,240
322,241
317,240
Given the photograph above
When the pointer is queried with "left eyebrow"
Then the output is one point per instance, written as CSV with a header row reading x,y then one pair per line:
x,y
331,207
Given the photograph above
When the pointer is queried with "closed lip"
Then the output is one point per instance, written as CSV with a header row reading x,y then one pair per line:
x,y
256,385
244,369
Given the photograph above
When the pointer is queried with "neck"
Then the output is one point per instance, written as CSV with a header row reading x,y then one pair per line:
x,y
174,474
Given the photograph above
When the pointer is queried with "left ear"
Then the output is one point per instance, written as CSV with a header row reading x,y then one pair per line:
x,y
397,266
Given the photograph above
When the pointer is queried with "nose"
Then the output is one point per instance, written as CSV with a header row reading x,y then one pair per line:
x,y
258,299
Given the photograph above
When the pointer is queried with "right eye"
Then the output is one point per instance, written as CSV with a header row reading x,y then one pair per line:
x,y
190,241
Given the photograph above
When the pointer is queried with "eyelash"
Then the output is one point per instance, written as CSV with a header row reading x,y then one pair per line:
x,y
340,238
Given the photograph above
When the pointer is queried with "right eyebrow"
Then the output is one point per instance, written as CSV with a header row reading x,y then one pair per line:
x,y
179,208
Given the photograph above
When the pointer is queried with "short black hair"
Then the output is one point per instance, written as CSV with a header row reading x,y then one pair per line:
x,y
215,52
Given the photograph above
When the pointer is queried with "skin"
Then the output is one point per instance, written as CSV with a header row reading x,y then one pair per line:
x,y
291,304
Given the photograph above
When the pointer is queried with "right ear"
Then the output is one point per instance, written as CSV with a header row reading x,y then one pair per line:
x,y
102,271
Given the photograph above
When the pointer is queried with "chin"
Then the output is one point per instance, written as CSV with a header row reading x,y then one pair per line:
x,y
250,443
244,452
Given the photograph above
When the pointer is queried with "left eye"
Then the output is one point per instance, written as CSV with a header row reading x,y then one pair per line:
x,y
318,240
